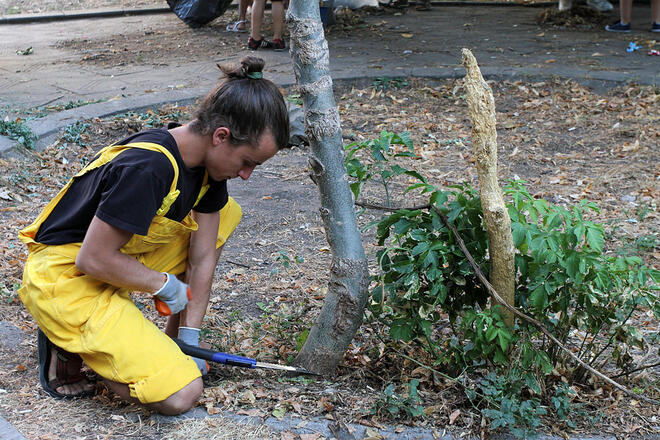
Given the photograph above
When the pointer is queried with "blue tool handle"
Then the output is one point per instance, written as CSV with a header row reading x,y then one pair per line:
x,y
230,359
215,356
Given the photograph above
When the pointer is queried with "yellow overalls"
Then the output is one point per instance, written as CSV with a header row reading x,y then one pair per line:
x,y
100,322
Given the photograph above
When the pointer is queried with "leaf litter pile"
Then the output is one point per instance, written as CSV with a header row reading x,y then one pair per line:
x,y
566,142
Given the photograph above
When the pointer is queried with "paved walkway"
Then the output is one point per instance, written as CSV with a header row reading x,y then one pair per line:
x,y
505,39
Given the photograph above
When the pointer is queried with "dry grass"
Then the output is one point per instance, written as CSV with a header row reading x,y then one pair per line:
x,y
216,429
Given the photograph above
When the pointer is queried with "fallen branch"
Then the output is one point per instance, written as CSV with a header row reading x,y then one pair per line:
x,y
644,367
513,310
238,264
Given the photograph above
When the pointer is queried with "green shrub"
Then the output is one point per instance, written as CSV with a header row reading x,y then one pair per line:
x,y
564,278
393,407
18,131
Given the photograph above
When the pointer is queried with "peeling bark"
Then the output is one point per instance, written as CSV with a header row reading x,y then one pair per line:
x,y
496,217
342,311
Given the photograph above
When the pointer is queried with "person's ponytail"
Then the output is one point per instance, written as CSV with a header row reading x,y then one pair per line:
x,y
246,104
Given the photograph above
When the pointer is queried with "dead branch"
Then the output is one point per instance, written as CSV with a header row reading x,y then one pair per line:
x,y
643,367
513,310
481,106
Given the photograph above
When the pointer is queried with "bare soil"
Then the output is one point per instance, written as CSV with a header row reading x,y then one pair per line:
x,y
568,143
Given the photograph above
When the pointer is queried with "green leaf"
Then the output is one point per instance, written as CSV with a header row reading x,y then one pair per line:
x,y
572,265
402,226
553,221
416,175
539,298
519,233
491,333
401,332
438,198
404,266
503,338
578,231
302,337
279,412
431,261
500,358
595,238
355,189
415,186
420,248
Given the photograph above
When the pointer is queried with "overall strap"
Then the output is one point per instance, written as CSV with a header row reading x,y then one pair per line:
x,y
104,156
203,189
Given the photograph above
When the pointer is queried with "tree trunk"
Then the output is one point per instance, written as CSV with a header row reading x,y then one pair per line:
x,y
496,217
342,311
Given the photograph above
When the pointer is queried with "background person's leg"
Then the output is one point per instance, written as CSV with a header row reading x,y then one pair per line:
x,y
258,7
625,11
277,13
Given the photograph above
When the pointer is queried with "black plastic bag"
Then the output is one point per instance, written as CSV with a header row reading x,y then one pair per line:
x,y
197,13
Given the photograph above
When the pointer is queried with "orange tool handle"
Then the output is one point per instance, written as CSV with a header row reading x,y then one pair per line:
x,y
163,309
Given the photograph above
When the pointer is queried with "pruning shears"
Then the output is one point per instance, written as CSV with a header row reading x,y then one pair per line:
x,y
236,361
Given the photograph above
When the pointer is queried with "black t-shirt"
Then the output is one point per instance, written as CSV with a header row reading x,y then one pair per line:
x,y
127,191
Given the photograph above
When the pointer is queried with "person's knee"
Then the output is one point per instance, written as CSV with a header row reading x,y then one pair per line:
x,y
182,400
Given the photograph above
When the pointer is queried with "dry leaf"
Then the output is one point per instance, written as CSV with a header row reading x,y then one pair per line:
x,y
372,434
4,194
453,416
247,397
627,147
250,412
213,410
312,436
287,435
406,35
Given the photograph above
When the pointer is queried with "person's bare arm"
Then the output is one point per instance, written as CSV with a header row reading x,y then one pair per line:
x,y
100,257
202,260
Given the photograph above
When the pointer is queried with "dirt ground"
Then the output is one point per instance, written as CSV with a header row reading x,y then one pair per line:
x,y
565,141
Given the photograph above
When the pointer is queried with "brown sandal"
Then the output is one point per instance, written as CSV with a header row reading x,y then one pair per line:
x,y
67,369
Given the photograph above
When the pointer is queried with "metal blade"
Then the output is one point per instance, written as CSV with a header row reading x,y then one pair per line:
x,y
285,368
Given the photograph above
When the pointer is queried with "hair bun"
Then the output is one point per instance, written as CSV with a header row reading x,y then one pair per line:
x,y
250,67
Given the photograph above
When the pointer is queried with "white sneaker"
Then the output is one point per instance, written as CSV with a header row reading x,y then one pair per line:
x,y
600,5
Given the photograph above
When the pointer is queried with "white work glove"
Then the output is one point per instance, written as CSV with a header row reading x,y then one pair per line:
x,y
190,336
173,296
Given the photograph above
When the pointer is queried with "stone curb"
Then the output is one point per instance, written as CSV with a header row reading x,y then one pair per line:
x,y
320,425
47,128
77,15
8,432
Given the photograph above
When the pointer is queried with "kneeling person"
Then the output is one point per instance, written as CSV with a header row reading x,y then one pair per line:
x,y
149,213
